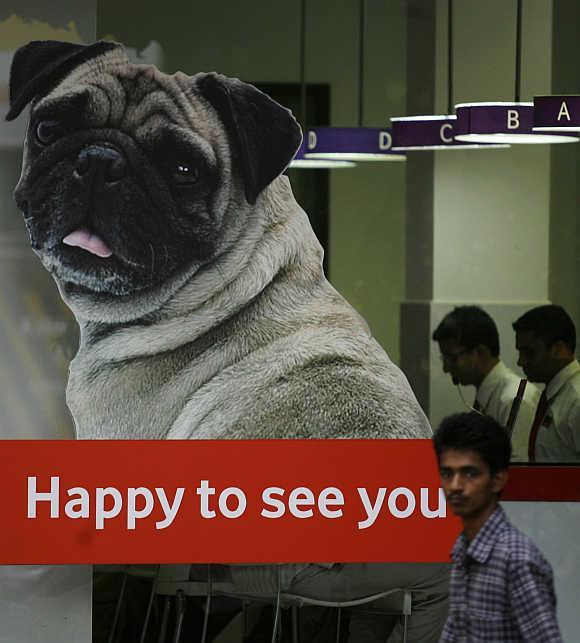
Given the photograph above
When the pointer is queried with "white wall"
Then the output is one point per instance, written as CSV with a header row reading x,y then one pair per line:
x,y
492,223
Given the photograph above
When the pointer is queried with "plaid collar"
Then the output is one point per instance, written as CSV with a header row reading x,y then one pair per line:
x,y
480,547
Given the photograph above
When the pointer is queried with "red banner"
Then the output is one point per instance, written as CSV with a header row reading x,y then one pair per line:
x,y
543,483
222,501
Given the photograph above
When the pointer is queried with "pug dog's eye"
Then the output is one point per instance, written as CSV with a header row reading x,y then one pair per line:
x,y
183,169
48,131
185,173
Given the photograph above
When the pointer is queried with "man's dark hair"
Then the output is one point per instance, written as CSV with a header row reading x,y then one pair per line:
x,y
550,323
478,433
469,326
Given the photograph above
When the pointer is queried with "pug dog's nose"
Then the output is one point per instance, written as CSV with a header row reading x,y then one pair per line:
x,y
101,160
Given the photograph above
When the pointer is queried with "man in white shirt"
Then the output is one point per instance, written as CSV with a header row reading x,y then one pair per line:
x,y
546,341
469,345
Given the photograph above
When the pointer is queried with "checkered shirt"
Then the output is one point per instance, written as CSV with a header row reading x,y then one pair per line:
x,y
502,588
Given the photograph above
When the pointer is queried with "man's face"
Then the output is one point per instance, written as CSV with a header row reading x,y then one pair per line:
x,y
537,360
459,362
469,486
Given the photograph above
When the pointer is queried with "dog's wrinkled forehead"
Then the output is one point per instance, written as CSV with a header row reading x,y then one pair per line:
x,y
136,99
224,113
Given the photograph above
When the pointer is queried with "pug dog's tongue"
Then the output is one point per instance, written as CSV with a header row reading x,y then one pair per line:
x,y
83,238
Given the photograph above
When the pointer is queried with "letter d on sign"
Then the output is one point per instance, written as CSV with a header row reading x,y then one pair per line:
x,y
312,140
385,141
513,119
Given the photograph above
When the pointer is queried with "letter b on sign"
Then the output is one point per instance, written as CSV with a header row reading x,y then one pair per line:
x,y
513,119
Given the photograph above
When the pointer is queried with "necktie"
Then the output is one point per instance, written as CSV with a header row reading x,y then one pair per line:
x,y
540,414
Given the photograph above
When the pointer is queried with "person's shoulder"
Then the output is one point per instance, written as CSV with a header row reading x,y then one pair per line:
x,y
509,380
574,384
570,398
507,386
520,548
510,383
532,394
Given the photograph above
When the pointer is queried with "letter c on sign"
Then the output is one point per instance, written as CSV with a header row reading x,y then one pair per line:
x,y
513,119
442,130
385,141
312,140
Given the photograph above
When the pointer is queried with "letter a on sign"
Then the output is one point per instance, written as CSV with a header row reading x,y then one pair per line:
x,y
513,119
564,111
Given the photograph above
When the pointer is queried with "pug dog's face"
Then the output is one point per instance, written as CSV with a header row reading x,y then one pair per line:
x,y
125,168
113,207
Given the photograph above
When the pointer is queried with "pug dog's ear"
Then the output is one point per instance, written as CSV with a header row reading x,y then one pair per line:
x,y
41,64
265,134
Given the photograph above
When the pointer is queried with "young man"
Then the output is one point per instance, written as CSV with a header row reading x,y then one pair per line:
x,y
502,588
546,341
469,345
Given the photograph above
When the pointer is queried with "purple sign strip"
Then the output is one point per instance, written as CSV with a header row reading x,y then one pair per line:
x,y
493,119
424,133
344,140
557,111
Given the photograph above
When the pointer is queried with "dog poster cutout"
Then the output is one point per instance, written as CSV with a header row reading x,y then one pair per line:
x,y
157,203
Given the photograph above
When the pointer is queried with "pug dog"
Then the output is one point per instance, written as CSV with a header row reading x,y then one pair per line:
x,y
159,205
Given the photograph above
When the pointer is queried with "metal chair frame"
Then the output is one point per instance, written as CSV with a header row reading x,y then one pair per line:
x,y
181,589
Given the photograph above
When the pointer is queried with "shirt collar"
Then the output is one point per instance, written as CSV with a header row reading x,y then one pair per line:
x,y
561,377
480,547
489,382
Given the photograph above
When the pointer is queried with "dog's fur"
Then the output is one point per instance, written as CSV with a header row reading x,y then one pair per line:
x,y
212,317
